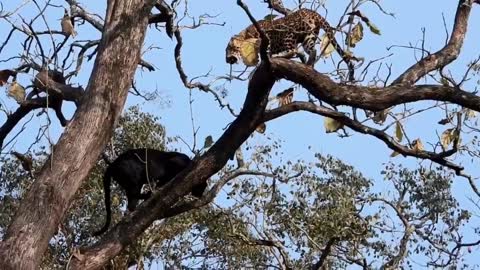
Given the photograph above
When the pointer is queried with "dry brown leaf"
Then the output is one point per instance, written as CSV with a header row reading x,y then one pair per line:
x,y
285,97
444,121
417,145
5,75
261,128
380,117
67,25
448,136
25,161
17,92
355,36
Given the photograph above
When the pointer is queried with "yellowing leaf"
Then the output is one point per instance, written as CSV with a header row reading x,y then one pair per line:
x,y
447,137
398,131
249,51
115,200
285,97
17,92
331,125
417,145
374,29
67,25
261,128
324,49
355,36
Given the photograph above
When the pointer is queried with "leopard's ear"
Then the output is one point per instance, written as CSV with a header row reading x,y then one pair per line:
x,y
236,42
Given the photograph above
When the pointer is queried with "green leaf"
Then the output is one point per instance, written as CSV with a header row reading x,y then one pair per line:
x,y
398,131
270,17
373,28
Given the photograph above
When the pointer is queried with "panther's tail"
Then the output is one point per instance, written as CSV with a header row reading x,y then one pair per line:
x,y
107,177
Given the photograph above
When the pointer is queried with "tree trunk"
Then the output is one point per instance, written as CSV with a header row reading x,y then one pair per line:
x,y
130,227
49,197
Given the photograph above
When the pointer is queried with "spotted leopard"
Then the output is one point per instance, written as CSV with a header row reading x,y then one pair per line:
x,y
285,33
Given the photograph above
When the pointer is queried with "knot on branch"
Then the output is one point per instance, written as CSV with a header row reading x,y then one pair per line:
x,y
53,83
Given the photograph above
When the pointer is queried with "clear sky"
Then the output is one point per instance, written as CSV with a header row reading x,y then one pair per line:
x,y
204,51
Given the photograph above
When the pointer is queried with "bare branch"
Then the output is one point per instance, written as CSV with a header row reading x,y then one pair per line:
x,y
444,56
357,126
326,251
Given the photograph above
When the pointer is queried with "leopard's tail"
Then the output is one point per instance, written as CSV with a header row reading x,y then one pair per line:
x,y
330,33
106,189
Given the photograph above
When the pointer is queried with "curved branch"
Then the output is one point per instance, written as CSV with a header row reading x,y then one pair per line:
x,y
444,56
395,260
57,91
80,12
189,84
44,205
369,98
203,168
358,127
326,251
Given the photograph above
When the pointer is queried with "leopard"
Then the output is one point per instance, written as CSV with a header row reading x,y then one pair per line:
x,y
285,33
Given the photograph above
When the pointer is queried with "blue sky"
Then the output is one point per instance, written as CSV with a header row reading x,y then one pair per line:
x,y
204,51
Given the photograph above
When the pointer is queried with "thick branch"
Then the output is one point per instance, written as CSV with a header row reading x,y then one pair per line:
x,y
211,162
444,56
439,158
374,99
64,92
46,84
44,205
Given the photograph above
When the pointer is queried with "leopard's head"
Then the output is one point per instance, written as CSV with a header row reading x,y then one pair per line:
x,y
232,53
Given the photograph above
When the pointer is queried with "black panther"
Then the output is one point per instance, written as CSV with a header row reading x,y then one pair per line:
x,y
136,167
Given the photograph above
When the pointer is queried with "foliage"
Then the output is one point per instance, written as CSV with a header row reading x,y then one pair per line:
x,y
262,211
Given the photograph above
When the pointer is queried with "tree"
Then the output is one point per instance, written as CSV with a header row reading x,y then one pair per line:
x,y
352,224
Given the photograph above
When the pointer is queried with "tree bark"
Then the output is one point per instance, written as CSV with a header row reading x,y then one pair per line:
x,y
49,197
160,203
